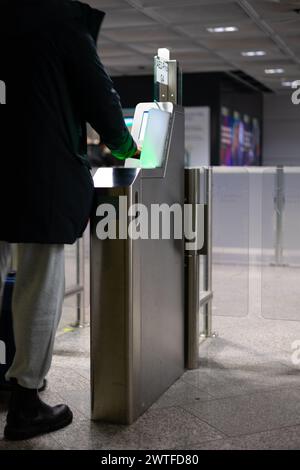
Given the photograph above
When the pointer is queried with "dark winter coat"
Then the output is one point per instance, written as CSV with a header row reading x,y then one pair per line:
x,y
55,83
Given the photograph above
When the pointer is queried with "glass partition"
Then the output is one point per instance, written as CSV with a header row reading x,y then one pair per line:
x,y
256,267
291,217
76,303
69,316
280,271
230,241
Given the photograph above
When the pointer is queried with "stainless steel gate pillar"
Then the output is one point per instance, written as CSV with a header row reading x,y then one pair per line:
x,y
137,288
115,297
195,298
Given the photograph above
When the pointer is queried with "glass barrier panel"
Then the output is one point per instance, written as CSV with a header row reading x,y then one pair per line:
x,y
71,265
280,269
230,230
291,217
69,315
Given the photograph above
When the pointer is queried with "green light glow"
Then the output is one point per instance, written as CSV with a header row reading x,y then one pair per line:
x,y
149,158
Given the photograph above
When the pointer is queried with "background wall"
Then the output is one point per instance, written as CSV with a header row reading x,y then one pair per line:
x,y
197,136
281,131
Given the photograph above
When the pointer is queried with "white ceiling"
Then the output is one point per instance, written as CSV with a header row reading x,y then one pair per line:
x,y
134,29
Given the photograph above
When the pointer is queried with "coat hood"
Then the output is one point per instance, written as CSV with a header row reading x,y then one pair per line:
x,y
19,17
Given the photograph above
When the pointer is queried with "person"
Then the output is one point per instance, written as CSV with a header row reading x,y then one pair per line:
x,y
55,84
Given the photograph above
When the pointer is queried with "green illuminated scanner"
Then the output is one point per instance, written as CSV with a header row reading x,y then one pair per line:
x,y
151,129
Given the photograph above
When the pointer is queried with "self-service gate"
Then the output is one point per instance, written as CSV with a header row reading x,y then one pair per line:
x,y
137,282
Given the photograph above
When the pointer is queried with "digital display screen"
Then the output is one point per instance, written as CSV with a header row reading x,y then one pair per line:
x,y
143,126
240,139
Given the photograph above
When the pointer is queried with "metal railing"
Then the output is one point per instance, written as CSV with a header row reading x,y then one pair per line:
x,y
279,203
78,289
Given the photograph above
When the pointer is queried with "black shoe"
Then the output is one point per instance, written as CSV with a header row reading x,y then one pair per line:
x,y
29,416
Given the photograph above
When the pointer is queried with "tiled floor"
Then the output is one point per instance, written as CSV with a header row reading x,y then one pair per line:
x,y
245,395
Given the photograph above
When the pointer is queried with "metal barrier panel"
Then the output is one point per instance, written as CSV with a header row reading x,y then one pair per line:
x,y
230,245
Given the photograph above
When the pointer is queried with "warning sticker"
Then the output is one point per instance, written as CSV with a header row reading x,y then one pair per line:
x,y
162,72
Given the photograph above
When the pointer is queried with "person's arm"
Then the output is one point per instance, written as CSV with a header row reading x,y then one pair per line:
x,y
99,102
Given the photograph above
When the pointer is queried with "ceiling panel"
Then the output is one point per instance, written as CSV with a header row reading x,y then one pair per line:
x,y
106,4
207,67
210,12
273,9
196,57
123,61
182,45
286,27
134,29
172,3
125,18
258,70
272,54
134,70
258,67
294,41
140,34
113,50
242,44
199,29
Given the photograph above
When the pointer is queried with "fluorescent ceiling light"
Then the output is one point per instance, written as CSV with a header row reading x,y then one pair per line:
x,y
253,53
223,29
273,71
288,83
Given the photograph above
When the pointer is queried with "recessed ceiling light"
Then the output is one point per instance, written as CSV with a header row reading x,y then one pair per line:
x,y
273,71
223,29
253,53
288,83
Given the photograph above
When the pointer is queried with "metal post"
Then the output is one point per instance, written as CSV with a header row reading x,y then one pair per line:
x,y
279,203
80,304
78,295
208,259
192,292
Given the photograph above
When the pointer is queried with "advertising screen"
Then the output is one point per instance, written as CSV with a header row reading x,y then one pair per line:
x,y
240,139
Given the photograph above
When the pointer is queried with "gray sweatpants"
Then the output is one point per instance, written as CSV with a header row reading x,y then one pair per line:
x,y
37,306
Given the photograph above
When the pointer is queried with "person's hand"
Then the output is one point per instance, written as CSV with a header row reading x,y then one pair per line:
x,y
138,152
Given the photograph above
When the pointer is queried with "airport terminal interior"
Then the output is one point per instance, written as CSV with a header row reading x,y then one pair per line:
x,y
234,382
